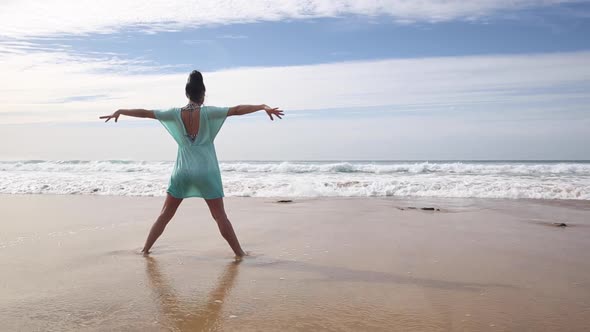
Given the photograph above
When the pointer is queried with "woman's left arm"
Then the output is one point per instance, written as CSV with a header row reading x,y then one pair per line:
x,y
247,109
137,113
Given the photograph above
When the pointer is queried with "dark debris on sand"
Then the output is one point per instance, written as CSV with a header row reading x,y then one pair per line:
x,y
422,208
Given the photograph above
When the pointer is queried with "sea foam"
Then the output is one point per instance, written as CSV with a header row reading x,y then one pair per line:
x,y
538,180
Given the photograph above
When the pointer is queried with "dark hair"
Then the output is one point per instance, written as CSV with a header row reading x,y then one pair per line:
x,y
195,88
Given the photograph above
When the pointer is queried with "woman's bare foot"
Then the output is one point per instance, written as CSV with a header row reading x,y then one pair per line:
x,y
241,255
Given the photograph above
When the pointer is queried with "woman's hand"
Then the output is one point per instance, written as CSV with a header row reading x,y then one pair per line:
x,y
112,116
273,111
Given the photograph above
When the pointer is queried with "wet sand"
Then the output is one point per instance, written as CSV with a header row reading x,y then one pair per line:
x,y
71,263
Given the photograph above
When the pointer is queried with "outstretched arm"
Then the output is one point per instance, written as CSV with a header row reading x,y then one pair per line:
x,y
138,113
247,109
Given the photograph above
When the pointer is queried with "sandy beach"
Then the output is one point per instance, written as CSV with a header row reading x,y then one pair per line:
x,y
71,263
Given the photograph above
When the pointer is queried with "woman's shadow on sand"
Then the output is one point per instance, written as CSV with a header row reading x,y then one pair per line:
x,y
339,274
206,314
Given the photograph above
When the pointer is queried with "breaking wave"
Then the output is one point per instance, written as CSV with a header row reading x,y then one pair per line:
x,y
489,179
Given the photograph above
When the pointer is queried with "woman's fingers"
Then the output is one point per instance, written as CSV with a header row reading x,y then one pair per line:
x,y
108,117
274,111
278,113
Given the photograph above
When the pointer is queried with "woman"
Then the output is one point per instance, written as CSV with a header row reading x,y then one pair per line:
x,y
196,171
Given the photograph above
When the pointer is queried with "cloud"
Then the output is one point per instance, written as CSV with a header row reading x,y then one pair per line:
x,y
34,81
82,98
34,18
196,41
233,37
310,137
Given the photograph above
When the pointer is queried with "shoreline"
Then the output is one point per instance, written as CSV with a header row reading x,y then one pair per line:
x,y
582,203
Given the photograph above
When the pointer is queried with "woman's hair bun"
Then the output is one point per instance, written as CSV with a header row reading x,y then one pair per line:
x,y
195,77
195,88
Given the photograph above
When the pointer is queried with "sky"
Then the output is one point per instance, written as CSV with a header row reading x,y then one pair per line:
x,y
358,80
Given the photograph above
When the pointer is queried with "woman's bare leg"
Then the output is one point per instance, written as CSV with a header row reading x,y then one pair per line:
x,y
225,227
168,210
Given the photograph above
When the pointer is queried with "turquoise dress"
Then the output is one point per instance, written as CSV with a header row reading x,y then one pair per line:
x,y
196,171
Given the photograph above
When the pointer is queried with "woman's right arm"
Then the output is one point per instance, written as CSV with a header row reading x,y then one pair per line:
x,y
137,113
247,109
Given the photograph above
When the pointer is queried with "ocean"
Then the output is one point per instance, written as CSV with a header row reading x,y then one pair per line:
x,y
464,179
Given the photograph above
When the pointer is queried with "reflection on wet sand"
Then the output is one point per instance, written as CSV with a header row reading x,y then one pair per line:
x,y
203,315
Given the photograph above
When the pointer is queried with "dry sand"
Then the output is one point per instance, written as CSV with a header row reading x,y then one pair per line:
x,y
71,263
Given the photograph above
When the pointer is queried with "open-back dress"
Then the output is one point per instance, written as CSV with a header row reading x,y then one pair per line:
x,y
196,171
